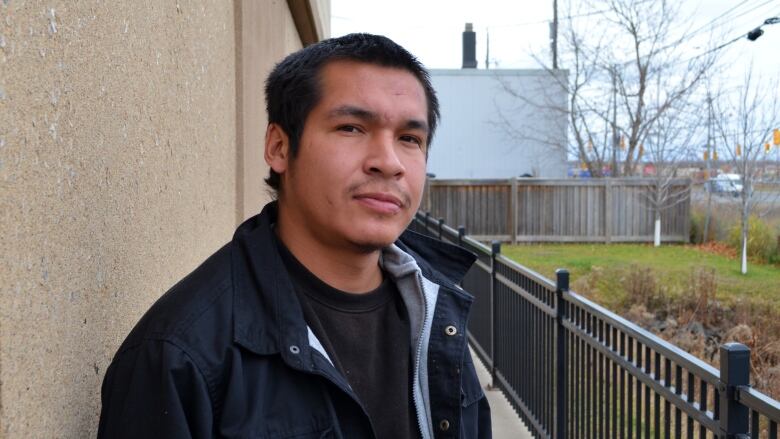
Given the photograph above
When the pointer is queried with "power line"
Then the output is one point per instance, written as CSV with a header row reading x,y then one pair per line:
x,y
688,36
768,21
731,20
714,49
709,24
754,9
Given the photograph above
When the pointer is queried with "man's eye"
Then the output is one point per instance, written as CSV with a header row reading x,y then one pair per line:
x,y
411,139
349,129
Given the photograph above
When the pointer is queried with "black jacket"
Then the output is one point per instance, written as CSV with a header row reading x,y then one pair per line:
x,y
226,352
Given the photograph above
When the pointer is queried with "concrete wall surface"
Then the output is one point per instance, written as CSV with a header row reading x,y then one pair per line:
x,y
123,130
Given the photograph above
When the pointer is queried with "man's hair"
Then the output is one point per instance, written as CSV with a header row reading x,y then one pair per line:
x,y
293,88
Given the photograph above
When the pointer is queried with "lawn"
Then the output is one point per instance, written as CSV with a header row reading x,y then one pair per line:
x,y
603,271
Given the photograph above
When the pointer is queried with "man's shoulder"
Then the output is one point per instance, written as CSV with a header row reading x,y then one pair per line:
x,y
198,304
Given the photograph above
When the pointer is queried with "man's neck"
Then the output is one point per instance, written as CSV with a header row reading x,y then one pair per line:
x,y
342,267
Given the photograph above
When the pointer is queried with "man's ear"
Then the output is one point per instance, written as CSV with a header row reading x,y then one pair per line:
x,y
277,148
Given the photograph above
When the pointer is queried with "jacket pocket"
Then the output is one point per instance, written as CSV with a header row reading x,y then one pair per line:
x,y
474,412
470,389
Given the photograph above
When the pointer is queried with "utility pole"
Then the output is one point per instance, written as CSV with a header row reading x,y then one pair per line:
x,y
615,138
554,35
708,163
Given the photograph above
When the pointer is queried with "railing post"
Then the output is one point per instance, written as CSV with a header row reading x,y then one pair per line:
x,y
441,226
495,251
734,372
607,209
427,215
461,234
561,348
427,191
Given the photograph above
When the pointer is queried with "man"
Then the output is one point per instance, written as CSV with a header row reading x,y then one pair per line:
x,y
316,320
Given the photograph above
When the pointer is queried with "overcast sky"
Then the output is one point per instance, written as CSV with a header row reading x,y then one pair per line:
x,y
432,29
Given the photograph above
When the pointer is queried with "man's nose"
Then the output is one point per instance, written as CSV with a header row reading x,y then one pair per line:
x,y
383,157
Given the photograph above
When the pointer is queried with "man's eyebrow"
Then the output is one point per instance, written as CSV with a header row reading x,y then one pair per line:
x,y
351,110
367,115
415,124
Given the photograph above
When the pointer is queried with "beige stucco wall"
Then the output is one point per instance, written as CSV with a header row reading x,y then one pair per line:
x,y
129,134
266,33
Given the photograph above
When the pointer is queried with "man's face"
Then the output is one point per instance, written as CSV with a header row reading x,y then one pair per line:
x,y
359,173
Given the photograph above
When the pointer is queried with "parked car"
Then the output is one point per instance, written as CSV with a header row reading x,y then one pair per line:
x,y
725,184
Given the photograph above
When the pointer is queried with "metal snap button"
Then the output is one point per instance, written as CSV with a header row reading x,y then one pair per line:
x,y
444,425
295,349
450,330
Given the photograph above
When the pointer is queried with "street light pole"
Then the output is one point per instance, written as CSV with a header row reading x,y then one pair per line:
x,y
554,32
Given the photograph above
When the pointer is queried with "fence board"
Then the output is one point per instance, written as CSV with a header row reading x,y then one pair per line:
x,y
540,210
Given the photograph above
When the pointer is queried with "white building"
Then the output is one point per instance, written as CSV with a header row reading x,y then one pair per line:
x,y
488,131
499,123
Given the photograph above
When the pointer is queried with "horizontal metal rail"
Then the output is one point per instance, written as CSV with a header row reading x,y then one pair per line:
x,y
679,356
692,409
755,400
572,368
527,272
545,308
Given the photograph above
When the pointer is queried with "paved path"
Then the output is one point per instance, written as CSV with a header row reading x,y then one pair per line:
x,y
506,423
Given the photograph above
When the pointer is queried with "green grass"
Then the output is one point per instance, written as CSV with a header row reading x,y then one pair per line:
x,y
600,270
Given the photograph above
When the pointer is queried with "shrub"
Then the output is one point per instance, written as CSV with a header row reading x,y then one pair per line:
x,y
697,303
697,227
642,287
761,242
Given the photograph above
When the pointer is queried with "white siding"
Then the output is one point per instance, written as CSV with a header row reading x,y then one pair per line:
x,y
486,132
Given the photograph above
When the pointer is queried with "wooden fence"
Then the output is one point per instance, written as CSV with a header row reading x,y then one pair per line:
x,y
544,210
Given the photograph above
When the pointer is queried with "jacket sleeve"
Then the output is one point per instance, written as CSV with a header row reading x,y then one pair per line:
x,y
155,389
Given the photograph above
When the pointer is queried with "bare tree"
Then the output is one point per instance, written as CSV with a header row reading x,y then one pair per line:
x,y
584,110
657,59
744,122
638,53
673,138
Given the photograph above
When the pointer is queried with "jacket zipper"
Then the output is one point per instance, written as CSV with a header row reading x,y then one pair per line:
x,y
420,405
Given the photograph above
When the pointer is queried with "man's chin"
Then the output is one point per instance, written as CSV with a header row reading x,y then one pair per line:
x,y
371,246
369,243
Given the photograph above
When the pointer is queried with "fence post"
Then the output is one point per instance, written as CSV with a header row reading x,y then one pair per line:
x,y
561,348
461,234
734,372
495,251
441,226
513,210
427,215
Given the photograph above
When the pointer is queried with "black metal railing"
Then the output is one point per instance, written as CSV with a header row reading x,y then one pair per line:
x,y
573,369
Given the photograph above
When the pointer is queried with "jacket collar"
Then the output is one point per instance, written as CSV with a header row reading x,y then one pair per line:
x,y
438,260
267,314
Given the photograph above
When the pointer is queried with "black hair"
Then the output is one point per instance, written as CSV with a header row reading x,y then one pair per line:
x,y
292,89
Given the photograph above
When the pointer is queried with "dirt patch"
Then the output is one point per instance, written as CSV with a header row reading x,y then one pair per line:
x,y
717,248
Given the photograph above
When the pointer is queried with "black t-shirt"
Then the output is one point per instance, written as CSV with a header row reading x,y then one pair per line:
x,y
367,338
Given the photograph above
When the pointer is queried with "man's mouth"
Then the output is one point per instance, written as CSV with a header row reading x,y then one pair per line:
x,y
380,202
